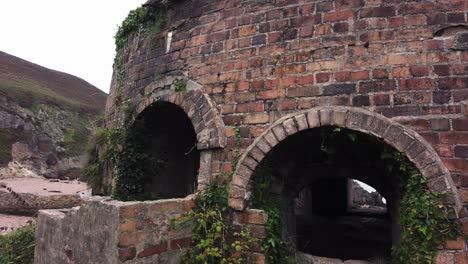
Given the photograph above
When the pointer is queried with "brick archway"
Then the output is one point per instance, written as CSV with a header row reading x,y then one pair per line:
x,y
418,150
198,106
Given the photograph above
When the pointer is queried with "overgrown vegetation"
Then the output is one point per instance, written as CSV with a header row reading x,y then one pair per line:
x,y
423,217
214,237
17,247
277,250
146,20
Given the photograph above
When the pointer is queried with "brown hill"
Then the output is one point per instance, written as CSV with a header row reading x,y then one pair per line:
x,y
30,84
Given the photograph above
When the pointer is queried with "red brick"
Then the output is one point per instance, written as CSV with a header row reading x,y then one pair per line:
x,y
417,84
181,243
380,73
305,80
381,99
247,31
342,76
322,77
339,15
360,75
153,250
460,124
383,11
419,71
376,86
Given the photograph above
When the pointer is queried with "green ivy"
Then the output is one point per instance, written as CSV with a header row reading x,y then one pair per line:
x,y
213,235
275,248
147,20
423,218
17,247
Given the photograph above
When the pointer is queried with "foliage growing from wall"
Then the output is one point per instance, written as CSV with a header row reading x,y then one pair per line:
x,y
423,217
146,20
104,151
17,247
274,246
213,237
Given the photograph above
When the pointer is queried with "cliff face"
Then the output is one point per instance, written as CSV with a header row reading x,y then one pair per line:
x,y
46,119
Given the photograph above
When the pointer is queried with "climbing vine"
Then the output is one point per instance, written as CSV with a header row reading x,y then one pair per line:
x,y
147,20
423,217
214,238
274,246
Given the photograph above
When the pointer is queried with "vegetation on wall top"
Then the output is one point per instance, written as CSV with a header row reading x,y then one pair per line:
x,y
146,20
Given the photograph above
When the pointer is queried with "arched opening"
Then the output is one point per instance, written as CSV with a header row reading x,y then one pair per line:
x,y
168,144
317,175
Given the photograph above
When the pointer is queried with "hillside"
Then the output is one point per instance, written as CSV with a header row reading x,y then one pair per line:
x,y
46,119
45,85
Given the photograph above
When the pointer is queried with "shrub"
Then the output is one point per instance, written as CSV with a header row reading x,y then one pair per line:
x,y
17,247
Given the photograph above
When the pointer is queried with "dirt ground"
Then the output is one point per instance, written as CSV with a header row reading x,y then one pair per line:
x,y
44,187
40,187
10,222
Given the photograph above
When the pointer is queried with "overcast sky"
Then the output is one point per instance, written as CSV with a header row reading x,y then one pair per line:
x,y
73,36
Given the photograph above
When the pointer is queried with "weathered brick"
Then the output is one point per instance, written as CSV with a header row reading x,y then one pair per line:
x,y
376,86
290,126
383,11
127,253
153,250
461,151
313,119
335,89
181,243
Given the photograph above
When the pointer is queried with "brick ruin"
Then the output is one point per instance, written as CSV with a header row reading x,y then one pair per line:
x,y
280,71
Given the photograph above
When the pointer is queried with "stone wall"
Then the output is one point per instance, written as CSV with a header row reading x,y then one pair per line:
x,y
109,231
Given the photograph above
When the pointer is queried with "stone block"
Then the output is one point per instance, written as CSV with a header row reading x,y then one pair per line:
x,y
301,121
378,127
237,203
432,171
290,126
128,225
271,138
257,154
424,159
130,211
250,163
237,192
251,216
325,116
338,117
313,119
263,145
279,132
163,206
439,184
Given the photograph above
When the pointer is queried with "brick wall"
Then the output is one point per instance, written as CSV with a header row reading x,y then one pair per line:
x,y
261,60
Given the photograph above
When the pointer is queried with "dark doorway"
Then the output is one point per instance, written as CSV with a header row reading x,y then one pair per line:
x,y
168,140
313,172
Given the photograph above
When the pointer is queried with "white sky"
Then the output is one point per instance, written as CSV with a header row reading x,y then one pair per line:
x,y
73,36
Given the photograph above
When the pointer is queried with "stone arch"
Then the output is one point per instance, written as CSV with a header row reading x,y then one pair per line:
x,y
198,106
416,148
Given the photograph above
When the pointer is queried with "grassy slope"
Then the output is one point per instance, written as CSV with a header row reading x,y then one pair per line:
x,y
33,86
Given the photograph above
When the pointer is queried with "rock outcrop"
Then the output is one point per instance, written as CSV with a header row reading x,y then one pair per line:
x,y
46,120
